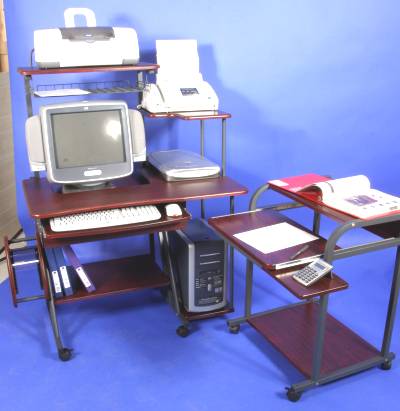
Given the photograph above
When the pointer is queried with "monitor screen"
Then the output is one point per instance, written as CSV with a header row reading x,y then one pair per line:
x,y
88,138
87,142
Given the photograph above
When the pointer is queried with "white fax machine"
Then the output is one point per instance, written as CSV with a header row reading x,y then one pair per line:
x,y
179,84
73,46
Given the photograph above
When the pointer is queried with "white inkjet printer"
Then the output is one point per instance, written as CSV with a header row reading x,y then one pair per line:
x,y
179,84
73,46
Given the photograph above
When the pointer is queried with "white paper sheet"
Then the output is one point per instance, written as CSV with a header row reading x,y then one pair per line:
x,y
275,237
61,92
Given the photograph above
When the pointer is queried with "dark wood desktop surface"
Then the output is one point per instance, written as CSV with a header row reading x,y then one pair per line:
x,y
142,66
45,202
230,225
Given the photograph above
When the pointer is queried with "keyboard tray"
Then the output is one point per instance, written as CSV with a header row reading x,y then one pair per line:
x,y
165,223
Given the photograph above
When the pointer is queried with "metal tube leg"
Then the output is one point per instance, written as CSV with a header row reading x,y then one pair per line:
x,y
202,210
231,256
63,353
224,147
162,250
29,109
319,338
151,245
249,288
394,295
202,138
54,324
170,270
316,222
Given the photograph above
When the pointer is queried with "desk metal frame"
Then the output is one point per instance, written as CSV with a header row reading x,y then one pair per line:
x,y
330,254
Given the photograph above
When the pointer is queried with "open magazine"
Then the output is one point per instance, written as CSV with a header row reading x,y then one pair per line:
x,y
354,196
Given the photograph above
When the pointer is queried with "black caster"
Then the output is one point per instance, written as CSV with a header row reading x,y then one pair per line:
x,y
234,329
182,331
293,395
65,354
387,365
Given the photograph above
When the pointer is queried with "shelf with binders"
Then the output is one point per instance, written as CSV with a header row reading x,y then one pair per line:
x,y
116,276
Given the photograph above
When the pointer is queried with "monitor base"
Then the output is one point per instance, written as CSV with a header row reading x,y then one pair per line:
x,y
76,188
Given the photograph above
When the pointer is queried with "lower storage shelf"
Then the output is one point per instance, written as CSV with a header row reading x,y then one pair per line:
x,y
117,276
191,316
292,331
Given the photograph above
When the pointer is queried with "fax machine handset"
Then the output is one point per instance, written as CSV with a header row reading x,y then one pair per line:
x,y
90,45
35,145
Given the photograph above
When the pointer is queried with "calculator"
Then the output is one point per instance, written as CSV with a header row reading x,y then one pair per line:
x,y
312,272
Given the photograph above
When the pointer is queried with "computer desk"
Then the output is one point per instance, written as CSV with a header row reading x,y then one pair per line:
x,y
318,345
116,276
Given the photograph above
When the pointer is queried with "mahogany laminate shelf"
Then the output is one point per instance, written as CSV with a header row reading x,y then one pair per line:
x,y
190,115
190,316
292,332
118,276
230,225
142,66
145,186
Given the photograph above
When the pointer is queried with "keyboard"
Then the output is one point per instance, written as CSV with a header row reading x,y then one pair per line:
x,y
105,218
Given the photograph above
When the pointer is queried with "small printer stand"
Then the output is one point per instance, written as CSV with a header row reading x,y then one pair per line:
x,y
318,345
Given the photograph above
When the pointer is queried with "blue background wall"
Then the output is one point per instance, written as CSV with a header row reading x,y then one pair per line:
x,y
313,86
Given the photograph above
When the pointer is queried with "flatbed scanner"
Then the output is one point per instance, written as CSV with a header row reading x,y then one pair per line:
x,y
179,84
73,46
176,165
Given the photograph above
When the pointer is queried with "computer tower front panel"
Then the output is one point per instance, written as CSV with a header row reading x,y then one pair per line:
x,y
199,263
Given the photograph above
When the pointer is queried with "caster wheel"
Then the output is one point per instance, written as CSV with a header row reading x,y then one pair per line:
x,y
182,331
293,395
234,329
65,354
387,365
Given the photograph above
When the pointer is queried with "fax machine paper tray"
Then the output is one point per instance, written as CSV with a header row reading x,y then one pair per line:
x,y
175,165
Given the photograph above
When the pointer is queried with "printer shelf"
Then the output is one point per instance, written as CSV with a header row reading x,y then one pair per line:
x,y
29,71
98,87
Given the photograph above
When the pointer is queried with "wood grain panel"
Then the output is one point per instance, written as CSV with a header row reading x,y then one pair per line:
x,y
292,332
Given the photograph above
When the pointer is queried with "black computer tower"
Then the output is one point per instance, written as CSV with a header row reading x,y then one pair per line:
x,y
198,255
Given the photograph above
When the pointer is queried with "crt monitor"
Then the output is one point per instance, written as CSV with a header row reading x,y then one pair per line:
x,y
86,143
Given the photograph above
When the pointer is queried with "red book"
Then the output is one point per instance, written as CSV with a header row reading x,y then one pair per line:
x,y
297,183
